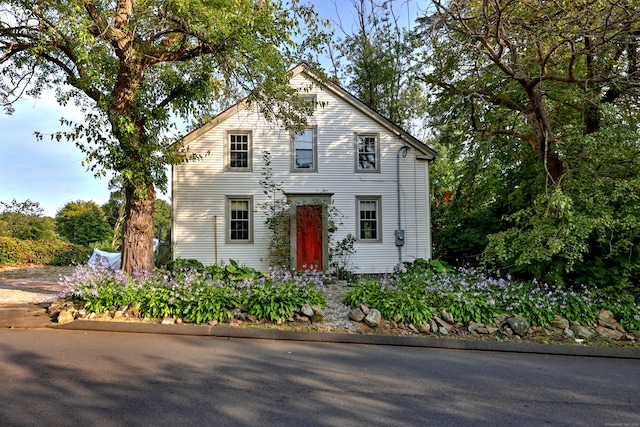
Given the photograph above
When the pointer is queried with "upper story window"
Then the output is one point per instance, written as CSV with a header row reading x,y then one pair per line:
x,y
367,153
238,151
304,153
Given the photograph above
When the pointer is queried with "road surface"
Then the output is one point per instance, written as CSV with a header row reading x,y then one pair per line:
x,y
55,377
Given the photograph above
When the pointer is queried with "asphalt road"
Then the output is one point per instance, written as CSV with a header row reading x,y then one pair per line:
x,y
54,377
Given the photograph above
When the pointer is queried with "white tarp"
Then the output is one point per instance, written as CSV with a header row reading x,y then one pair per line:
x,y
112,260
106,259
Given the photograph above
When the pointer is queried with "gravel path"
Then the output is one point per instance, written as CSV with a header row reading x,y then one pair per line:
x,y
336,313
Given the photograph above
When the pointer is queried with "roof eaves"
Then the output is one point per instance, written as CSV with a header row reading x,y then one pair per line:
x,y
370,112
215,121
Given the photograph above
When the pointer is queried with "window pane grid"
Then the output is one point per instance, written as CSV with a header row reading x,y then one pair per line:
x,y
239,219
368,228
238,151
367,150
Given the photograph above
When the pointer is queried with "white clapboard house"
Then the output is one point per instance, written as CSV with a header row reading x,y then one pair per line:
x,y
350,167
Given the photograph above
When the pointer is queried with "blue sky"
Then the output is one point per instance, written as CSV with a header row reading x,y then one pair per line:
x,y
48,172
51,172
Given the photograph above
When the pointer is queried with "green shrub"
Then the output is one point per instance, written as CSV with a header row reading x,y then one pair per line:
x,y
41,252
407,302
82,223
64,253
182,264
163,255
277,301
624,306
14,251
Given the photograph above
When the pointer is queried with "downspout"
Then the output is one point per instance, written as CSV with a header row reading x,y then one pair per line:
x,y
400,231
215,236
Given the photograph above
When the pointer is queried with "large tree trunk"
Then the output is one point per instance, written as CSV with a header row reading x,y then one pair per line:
x,y
137,237
137,234
544,134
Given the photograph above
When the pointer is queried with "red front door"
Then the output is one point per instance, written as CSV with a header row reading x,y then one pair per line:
x,y
309,238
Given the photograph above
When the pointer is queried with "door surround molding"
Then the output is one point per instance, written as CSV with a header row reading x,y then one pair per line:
x,y
309,199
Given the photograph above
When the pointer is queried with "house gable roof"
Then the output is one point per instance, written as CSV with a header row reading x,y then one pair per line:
x,y
428,153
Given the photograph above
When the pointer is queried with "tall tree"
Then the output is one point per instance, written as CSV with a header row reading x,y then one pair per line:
x,y
537,102
375,57
534,70
136,66
82,223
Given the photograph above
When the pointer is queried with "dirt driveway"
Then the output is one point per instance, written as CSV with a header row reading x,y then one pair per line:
x,y
31,285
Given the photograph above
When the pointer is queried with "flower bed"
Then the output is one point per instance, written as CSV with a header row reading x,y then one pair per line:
x,y
412,298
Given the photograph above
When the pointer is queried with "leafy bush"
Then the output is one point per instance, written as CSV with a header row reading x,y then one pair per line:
x,y
405,301
41,252
188,295
24,221
339,258
410,296
70,254
164,255
281,293
99,288
624,306
182,264
232,272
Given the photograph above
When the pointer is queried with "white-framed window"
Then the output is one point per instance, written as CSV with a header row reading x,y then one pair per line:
x,y
239,221
367,152
238,151
304,151
310,101
369,220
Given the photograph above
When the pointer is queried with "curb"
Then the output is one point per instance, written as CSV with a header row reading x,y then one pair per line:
x,y
341,338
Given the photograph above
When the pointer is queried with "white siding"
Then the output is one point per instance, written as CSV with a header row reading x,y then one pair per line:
x,y
200,187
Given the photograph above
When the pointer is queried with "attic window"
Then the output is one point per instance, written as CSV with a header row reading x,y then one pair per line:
x,y
310,102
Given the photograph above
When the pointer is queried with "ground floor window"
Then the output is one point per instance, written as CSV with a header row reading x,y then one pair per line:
x,y
239,219
368,216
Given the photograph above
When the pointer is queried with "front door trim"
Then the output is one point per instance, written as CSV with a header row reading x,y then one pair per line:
x,y
309,199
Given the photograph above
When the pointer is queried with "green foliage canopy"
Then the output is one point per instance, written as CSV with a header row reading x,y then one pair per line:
x,y
376,62
535,106
82,223
162,220
138,67
24,221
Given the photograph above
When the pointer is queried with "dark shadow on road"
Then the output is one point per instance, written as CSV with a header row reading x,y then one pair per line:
x,y
100,379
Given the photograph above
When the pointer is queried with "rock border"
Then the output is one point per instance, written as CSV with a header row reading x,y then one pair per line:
x,y
64,312
370,320
443,324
